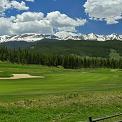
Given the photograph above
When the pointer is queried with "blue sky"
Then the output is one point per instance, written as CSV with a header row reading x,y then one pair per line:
x,y
75,9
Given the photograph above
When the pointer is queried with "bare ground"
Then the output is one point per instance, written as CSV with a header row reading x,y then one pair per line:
x,y
21,76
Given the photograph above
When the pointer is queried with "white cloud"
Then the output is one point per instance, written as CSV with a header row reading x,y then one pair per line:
x,y
29,16
64,22
107,10
33,22
19,6
32,27
5,26
8,4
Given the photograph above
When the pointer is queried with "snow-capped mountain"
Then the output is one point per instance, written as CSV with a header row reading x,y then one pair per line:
x,y
67,35
32,37
29,37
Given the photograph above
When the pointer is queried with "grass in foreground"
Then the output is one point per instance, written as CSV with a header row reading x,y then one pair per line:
x,y
62,96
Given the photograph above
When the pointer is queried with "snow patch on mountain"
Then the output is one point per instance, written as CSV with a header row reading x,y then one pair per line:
x,y
32,37
67,35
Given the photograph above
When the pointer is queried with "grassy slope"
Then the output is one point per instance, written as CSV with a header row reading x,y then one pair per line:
x,y
62,96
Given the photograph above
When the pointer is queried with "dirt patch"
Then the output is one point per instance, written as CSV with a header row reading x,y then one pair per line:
x,y
21,76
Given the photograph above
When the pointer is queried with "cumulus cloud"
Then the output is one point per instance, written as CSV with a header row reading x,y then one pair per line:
x,y
29,16
63,22
107,10
19,6
37,22
5,26
41,26
8,4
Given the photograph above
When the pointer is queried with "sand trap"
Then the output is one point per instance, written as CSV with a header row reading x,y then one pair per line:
x,y
21,76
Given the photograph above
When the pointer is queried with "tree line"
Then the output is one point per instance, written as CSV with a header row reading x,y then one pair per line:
x,y
27,56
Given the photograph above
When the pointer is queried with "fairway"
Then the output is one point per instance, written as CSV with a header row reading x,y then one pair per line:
x,y
62,95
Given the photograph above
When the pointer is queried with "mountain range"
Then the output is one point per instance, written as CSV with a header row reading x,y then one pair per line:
x,y
32,37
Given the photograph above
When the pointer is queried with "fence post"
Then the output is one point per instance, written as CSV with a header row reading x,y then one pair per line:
x,y
90,119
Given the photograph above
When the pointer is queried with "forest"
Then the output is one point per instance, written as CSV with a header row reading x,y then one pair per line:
x,y
73,61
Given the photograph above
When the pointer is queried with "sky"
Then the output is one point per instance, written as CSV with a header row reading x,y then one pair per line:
x,y
52,16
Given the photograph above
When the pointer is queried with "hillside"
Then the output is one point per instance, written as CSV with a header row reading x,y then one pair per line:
x,y
66,47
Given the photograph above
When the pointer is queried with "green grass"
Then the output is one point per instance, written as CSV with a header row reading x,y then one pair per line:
x,y
64,95
5,74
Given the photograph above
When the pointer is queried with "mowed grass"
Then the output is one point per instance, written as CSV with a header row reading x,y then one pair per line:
x,y
63,95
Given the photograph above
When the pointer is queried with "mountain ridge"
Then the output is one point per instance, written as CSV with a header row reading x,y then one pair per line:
x,y
32,37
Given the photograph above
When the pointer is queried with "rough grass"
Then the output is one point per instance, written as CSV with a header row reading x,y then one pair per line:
x,y
62,96
5,74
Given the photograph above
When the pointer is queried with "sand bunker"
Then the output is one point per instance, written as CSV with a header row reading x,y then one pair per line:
x,y
21,76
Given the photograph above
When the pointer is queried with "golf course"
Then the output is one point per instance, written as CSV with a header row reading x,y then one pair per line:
x,y
54,94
